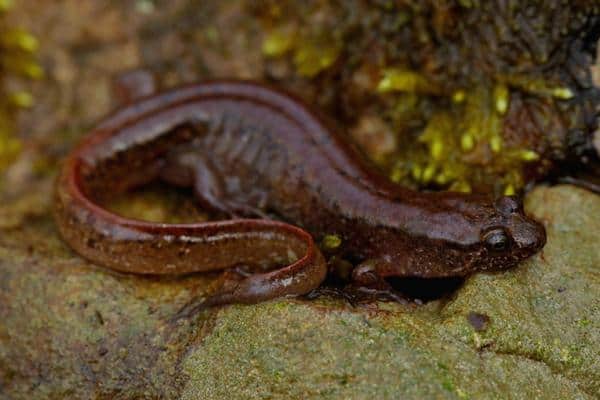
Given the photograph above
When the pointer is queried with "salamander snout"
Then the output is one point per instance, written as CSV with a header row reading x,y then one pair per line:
x,y
528,235
517,232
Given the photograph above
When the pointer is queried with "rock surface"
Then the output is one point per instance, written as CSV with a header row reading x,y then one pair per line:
x,y
69,329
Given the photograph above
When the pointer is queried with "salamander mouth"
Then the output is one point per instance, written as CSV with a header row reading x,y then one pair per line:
x,y
505,261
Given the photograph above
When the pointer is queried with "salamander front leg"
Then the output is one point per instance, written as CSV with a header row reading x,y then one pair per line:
x,y
191,169
209,188
368,281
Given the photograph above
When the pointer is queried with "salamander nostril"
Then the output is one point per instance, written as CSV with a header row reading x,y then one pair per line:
x,y
531,238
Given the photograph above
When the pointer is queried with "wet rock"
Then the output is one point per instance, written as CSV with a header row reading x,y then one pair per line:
x,y
69,329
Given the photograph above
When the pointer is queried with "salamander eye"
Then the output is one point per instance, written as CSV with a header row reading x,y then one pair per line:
x,y
496,240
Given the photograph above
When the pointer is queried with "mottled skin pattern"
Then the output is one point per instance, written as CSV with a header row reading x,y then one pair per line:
x,y
256,153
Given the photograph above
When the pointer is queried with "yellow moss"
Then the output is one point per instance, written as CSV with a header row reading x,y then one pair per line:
x,y
397,175
436,133
312,57
19,39
509,190
467,3
442,179
563,93
459,96
501,98
331,242
406,107
404,80
9,148
463,146
23,66
5,5
538,87
417,172
429,173
495,143
437,149
461,186
21,99
16,58
529,155
467,142
451,137
278,42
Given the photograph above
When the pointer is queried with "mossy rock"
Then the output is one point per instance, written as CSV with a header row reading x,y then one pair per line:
x,y
71,330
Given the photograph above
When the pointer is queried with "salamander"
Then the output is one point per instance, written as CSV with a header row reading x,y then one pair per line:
x,y
282,177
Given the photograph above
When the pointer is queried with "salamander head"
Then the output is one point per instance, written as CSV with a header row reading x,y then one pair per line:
x,y
469,234
508,235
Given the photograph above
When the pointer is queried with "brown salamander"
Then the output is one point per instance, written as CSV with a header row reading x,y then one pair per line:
x,y
254,153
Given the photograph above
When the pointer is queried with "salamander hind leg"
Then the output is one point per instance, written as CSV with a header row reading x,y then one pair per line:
x,y
295,279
